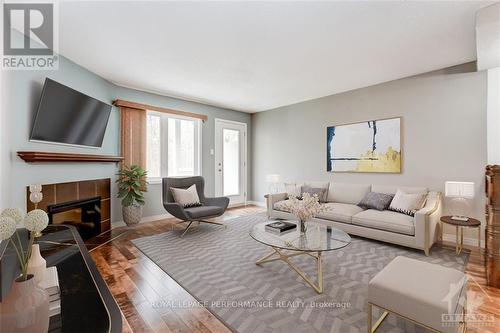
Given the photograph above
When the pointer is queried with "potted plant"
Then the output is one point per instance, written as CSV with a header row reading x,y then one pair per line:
x,y
131,187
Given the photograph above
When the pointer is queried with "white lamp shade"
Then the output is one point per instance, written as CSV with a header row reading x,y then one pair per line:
x,y
459,190
273,178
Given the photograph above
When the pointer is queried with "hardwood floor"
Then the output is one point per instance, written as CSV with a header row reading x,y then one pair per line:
x,y
140,287
481,299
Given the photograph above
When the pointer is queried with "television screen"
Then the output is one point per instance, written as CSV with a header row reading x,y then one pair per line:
x,y
67,116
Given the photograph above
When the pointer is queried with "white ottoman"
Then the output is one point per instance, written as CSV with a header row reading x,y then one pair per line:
x,y
420,292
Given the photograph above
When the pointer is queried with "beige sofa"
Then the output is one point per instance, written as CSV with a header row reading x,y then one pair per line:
x,y
419,232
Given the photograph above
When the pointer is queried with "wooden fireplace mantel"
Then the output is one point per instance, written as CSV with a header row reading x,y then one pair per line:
x,y
40,156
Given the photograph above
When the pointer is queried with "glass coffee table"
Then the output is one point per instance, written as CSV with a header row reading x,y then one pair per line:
x,y
317,239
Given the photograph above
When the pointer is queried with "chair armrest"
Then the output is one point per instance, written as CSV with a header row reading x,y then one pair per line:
x,y
272,199
219,202
176,210
427,221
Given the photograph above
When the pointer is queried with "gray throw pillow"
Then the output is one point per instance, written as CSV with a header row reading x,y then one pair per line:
x,y
378,201
320,192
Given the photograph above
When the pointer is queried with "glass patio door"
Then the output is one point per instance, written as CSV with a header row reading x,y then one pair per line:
x,y
230,160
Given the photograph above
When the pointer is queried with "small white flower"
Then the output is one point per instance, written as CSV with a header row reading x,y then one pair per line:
x,y
306,208
14,213
36,220
7,227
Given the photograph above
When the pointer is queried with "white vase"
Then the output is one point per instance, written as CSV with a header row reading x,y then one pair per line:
x,y
25,309
36,264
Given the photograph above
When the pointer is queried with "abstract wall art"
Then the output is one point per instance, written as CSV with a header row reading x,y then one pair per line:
x,y
369,146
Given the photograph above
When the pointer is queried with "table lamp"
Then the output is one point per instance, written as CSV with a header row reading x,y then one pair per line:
x,y
460,193
273,180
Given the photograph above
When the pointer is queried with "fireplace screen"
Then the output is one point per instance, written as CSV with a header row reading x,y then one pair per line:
x,y
85,215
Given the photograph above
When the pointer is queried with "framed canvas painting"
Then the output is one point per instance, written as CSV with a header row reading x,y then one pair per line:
x,y
369,146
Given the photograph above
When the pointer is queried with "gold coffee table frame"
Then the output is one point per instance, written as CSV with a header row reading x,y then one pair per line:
x,y
285,257
317,239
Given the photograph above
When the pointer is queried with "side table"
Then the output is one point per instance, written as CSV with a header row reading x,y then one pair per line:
x,y
459,225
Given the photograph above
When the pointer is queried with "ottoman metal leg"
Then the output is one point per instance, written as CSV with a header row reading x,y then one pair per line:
x,y
372,329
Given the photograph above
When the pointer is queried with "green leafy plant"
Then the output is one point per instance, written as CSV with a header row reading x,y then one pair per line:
x,y
132,185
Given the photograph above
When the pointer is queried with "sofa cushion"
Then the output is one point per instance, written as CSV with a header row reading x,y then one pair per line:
x,y
419,290
325,185
320,192
293,190
385,220
347,193
378,201
407,203
282,205
203,211
339,212
390,189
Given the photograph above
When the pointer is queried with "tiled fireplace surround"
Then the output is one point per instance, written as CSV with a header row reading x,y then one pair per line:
x,y
78,190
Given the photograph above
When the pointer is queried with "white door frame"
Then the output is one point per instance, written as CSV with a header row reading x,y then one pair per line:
x,y
218,190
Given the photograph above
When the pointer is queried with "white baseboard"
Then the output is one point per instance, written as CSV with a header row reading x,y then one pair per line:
x,y
467,240
257,203
166,216
144,219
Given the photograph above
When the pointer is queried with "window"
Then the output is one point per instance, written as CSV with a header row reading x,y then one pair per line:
x,y
173,146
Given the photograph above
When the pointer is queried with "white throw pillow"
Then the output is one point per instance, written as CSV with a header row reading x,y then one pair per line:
x,y
186,197
407,203
293,190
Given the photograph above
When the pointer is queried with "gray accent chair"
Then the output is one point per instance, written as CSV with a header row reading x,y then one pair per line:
x,y
211,207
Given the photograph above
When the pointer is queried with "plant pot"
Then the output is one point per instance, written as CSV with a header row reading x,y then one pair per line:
x,y
26,308
36,264
132,214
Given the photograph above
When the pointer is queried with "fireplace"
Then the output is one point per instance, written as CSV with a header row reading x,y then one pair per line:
x,y
85,215
60,197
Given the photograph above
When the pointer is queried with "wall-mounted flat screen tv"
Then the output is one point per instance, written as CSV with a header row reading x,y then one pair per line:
x,y
66,116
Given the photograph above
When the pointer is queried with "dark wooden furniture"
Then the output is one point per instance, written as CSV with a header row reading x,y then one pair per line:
x,y
460,225
40,156
492,232
86,302
66,192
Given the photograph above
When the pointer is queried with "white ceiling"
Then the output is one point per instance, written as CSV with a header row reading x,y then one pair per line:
x,y
255,56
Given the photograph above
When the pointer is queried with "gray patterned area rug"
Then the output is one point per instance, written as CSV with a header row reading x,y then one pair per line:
x,y
217,266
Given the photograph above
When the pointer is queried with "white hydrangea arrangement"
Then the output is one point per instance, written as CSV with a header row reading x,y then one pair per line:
x,y
35,221
304,209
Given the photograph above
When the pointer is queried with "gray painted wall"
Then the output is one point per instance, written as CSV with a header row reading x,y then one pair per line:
x,y
20,94
443,124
